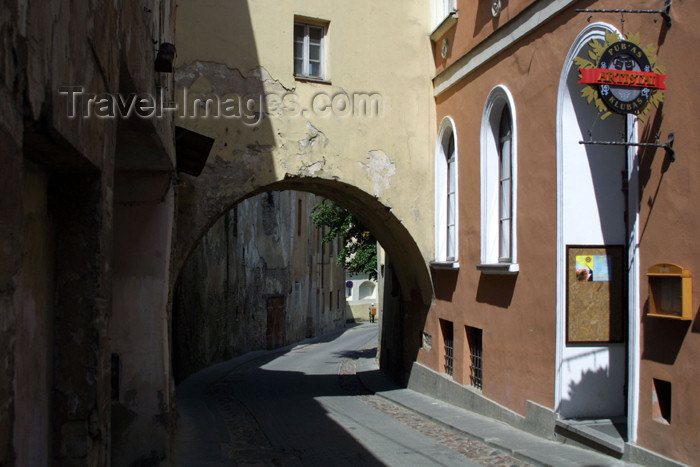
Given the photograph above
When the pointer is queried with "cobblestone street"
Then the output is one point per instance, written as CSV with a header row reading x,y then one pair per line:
x,y
474,450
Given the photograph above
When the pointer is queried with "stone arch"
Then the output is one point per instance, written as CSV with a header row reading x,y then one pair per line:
x,y
407,289
409,265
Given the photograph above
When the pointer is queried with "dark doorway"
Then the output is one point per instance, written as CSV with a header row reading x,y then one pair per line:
x,y
275,322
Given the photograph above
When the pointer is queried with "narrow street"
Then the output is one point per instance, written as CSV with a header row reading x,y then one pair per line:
x,y
304,405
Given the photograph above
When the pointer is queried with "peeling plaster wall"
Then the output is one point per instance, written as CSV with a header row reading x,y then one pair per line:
x,y
257,251
56,187
244,49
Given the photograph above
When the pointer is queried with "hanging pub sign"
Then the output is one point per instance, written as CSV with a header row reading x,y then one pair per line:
x,y
621,76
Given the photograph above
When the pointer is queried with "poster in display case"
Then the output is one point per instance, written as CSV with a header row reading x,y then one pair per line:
x,y
595,294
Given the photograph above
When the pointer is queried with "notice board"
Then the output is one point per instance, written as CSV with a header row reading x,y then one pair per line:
x,y
594,294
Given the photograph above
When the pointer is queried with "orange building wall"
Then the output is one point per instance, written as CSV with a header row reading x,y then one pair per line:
x,y
518,313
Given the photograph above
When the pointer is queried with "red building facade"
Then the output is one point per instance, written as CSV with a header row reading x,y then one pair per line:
x,y
560,223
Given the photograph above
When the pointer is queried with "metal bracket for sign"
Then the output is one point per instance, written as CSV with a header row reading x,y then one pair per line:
x,y
668,146
665,12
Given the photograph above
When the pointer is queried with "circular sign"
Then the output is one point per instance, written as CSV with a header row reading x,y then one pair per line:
x,y
624,59
348,284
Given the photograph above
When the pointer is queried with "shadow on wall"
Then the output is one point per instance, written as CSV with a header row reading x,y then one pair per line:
x,y
646,158
597,392
220,87
696,326
496,290
218,68
485,16
444,283
663,338
591,386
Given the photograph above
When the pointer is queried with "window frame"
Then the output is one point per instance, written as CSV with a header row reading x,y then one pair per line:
x,y
505,187
445,225
493,259
441,10
305,58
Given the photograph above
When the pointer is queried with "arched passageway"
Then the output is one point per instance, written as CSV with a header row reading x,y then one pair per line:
x,y
404,278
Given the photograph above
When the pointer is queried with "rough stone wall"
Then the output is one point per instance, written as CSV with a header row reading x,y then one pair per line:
x,y
256,252
56,199
10,264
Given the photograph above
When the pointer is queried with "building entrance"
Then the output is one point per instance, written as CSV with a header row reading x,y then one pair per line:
x,y
593,234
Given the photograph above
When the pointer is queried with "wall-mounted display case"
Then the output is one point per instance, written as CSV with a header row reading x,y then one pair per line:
x,y
670,292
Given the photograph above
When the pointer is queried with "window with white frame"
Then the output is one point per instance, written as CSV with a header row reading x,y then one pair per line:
x,y
309,45
498,184
441,9
446,196
505,188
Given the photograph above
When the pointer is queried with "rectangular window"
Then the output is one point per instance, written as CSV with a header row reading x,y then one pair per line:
x,y
448,345
474,341
309,50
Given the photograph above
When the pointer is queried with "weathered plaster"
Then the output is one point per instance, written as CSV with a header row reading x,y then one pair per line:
x,y
61,227
256,251
379,169
303,143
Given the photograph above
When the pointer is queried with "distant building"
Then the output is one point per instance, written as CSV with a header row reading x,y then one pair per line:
x,y
361,293
261,278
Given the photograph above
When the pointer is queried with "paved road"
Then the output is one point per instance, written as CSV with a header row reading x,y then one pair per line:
x,y
304,406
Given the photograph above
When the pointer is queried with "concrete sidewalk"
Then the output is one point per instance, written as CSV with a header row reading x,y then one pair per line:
x,y
519,444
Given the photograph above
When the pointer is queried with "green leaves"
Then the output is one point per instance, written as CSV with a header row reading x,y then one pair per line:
x,y
360,251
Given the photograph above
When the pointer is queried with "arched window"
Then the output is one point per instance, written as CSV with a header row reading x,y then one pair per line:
x,y
505,187
498,184
446,196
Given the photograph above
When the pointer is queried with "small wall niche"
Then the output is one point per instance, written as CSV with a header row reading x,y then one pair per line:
x,y
661,401
670,292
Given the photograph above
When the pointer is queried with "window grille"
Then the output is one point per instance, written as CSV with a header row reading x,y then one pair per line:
x,y
448,340
474,340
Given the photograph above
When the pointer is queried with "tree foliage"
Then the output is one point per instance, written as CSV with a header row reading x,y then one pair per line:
x,y
359,252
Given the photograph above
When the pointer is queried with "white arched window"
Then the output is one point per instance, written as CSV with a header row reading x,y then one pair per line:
x,y
498,184
446,197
